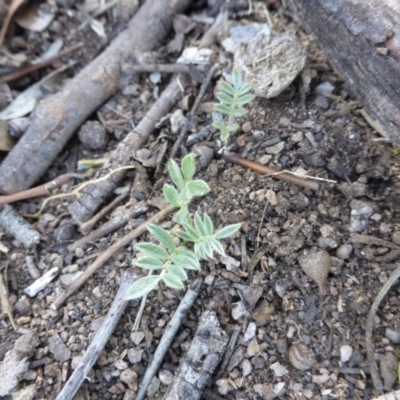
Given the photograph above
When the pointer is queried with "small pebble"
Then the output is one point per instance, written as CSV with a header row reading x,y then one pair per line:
x,y
246,127
250,332
301,357
344,251
345,353
324,89
223,386
275,149
165,376
321,102
396,237
247,368
388,369
93,135
392,335
279,369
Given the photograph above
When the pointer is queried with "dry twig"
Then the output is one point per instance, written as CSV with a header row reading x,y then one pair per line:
x,y
106,255
263,169
169,334
370,326
99,341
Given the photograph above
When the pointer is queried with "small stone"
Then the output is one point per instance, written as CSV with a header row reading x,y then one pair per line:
x,y
265,159
345,353
320,379
60,351
262,312
132,90
316,264
324,89
279,369
344,251
246,127
177,121
254,348
155,77
129,377
145,96
79,252
250,332
360,168
230,263
97,292
121,365
360,212
93,135
239,311
392,335
247,368
135,355
275,149
209,280
223,386
301,357
396,237
137,337
271,197
388,369
321,102
75,361
297,136
96,324
166,377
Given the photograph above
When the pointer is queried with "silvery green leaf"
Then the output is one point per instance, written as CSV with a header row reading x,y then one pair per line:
x,y
219,125
227,231
183,235
224,109
233,127
188,167
208,225
152,250
171,194
228,88
225,136
162,236
178,271
176,174
172,281
186,252
245,99
239,112
224,98
208,249
142,286
197,188
193,233
244,89
217,246
200,251
182,215
236,80
187,262
149,263
200,226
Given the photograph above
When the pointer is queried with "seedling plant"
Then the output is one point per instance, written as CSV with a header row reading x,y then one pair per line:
x,y
232,97
180,249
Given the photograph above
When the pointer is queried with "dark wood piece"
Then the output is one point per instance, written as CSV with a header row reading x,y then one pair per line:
x,y
362,42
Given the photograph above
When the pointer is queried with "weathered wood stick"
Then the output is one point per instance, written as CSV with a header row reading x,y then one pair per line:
x,y
59,115
99,341
173,325
205,353
362,43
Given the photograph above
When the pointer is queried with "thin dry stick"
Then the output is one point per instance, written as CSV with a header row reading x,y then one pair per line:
x,y
111,226
87,226
106,255
370,326
169,334
202,92
42,190
263,169
34,67
165,68
99,341
5,303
